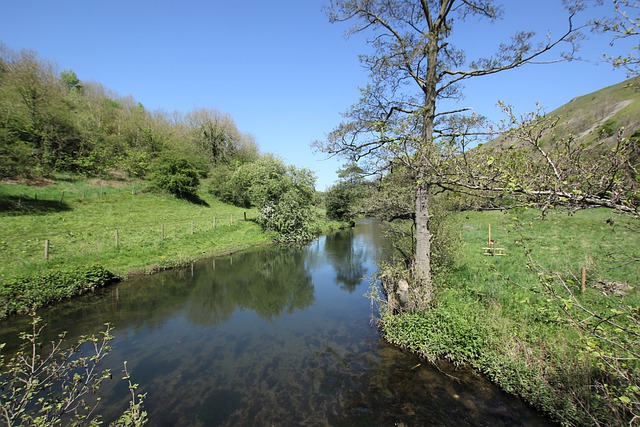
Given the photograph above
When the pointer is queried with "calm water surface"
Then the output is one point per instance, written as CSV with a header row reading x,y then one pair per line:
x,y
273,336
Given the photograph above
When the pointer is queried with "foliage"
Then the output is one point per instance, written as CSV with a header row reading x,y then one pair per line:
x,y
51,386
26,293
610,336
609,128
414,65
284,195
339,201
177,175
290,217
445,333
560,170
342,199
400,232
624,24
54,122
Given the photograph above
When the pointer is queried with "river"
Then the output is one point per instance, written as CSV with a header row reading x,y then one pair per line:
x,y
272,336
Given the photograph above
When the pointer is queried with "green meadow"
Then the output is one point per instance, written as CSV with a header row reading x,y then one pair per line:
x,y
512,317
84,222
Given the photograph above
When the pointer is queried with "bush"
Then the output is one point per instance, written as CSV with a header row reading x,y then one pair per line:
x,y
284,195
26,293
176,175
339,202
53,386
290,217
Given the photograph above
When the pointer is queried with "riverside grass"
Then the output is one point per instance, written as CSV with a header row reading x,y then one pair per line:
x,y
492,313
79,219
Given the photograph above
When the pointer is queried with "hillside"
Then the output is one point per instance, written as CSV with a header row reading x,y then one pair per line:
x,y
600,114
595,117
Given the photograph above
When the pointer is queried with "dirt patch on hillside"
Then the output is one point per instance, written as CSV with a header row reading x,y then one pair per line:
x,y
98,182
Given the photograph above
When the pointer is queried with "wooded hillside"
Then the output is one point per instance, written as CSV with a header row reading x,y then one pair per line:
x,y
51,121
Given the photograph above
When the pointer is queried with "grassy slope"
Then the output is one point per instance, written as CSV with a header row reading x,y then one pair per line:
x,y
585,116
492,314
81,227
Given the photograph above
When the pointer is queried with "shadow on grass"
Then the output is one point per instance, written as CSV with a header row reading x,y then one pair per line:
x,y
22,205
195,199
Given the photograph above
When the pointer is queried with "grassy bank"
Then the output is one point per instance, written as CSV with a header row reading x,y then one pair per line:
x,y
512,318
94,231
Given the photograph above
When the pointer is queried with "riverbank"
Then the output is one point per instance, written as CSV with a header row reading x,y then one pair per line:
x,y
60,239
512,317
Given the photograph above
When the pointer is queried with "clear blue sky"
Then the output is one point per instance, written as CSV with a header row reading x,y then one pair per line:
x,y
278,67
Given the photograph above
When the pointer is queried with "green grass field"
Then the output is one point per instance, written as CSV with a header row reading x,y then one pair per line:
x,y
510,316
80,220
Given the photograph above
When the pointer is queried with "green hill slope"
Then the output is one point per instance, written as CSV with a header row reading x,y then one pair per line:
x,y
596,117
600,114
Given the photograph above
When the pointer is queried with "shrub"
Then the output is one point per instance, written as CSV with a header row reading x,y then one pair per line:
x,y
26,293
290,217
49,388
176,175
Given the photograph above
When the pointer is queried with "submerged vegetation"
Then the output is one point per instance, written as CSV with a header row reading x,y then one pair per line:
x,y
550,310
547,306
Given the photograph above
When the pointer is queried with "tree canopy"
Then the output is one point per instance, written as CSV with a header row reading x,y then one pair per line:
x,y
413,66
52,121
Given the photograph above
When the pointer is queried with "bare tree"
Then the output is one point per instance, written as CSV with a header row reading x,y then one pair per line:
x,y
414,66
214,133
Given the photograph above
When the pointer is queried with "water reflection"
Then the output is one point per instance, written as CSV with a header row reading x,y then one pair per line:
x,y
273,336
268,282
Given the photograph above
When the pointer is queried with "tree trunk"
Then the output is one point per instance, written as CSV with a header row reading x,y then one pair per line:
x,y
422,263
423,286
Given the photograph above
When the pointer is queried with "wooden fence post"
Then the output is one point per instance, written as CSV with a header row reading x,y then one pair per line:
x,y
192,227
213,222
46,249
245,215
583,282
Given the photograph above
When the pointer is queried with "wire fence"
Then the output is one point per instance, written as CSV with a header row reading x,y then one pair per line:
x,y
99,239
56,240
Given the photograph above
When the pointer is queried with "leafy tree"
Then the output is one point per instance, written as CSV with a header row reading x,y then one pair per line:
x,y
214,134
284,195
341,199
290,216
413,65
52,121
71,81
36,116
